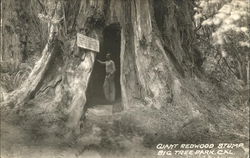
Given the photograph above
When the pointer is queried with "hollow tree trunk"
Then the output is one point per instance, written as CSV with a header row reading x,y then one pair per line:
x,y
146,70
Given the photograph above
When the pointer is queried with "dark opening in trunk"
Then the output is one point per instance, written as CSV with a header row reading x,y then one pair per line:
x,y
111,44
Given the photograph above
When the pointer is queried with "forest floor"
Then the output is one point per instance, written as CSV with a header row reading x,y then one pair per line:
x,y
100,136
97,140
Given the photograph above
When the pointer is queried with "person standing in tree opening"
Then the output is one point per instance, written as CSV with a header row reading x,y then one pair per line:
x,y
109,84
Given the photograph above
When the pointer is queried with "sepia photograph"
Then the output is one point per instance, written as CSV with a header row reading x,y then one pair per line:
x,y
124,78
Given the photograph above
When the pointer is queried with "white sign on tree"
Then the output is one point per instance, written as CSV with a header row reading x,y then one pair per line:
x,y
88,43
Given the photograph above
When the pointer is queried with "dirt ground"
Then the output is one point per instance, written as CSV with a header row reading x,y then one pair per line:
x,y
95,141
97,138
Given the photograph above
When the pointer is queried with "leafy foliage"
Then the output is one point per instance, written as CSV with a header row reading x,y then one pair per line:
x,y
12,80
223,34
225,16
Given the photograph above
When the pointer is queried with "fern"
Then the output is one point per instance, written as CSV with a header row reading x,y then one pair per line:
x,y
11,81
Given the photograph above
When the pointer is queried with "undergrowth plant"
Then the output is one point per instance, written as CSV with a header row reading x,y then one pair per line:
x,y
10,81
